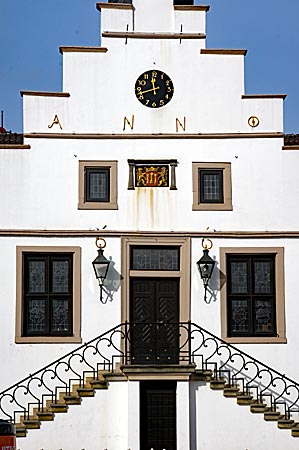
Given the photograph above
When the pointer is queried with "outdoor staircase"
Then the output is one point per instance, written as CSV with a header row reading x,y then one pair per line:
x,y
107,358
257,406
64,401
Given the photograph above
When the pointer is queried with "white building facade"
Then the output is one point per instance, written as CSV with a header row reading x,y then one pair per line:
x,y
153,150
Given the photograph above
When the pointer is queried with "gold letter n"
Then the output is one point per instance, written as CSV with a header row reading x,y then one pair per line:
x,y
131,124
178,123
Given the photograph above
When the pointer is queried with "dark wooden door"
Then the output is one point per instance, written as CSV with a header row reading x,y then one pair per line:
x,y
154,317
158,415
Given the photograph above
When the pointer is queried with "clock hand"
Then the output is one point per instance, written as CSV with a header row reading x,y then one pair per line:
x,y
149,90
153,84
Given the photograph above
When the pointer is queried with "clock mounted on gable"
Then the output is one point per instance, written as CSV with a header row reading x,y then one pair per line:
x,y
154,89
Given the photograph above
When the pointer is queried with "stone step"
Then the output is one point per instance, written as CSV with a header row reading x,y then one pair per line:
x,y
96,383
32,424
45,416
231,391
115,376
245,399
21,431
72,400
295,430
85,392
285,424
58,407
257,407
202,375
217,384
272,416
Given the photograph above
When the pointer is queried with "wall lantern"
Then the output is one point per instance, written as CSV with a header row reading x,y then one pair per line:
x,y
101,264
206,264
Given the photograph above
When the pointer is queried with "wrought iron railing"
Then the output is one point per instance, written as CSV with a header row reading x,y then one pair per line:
x,y
150,344
237,368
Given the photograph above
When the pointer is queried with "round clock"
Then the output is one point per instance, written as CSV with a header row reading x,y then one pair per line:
x,y
154,89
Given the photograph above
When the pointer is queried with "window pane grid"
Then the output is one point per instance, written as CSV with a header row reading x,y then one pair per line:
x,y
262,277
60,276
97,185
36,316
211,186
240,316
263,316
46,278
159,258
60,315
251,303
37,277
239,277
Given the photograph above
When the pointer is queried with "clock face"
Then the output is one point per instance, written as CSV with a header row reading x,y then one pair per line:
x,y
154,89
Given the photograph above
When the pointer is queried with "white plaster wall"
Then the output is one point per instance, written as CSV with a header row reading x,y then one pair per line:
x,y
219,423
207,87
269,112
39,187
117,20
98,423
153,15
133,415
207,91
192,21
39,113
183,415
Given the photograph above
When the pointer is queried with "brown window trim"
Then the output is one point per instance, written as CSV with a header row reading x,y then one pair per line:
x,y
76,337
112,204
227,187
279,288
183,273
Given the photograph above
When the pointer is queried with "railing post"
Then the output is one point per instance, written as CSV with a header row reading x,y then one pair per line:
x,y
189,341
126,342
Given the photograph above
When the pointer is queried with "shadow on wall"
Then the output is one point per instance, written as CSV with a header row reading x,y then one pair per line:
x,y
215,284
111,283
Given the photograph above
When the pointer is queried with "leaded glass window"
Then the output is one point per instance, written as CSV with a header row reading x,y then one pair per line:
x,y
155,258
97,182
211,186
251,295
47,288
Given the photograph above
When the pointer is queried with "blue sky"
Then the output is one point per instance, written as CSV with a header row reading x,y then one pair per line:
x,y
31,32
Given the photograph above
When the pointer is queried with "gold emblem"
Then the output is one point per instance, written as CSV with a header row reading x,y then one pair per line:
x,y
253,121
150,176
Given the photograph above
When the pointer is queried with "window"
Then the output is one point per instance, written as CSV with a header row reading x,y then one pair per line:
x,y
48,294
252,296
97,185
212,186
155,258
